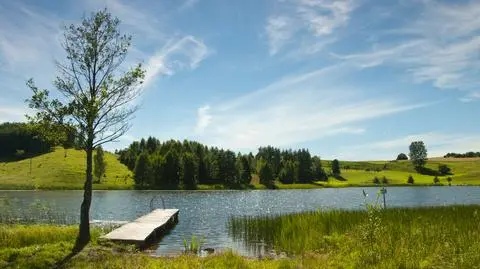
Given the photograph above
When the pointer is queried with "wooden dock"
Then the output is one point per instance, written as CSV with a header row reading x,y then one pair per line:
x,y
146,228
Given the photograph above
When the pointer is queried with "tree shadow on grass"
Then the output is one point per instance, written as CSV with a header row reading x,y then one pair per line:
x,y
65,260
20,157
271,186
339,177
427,171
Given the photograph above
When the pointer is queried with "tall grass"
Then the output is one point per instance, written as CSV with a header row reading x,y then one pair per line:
x,y
397,237
194,247
38,212
18,236
219,261
37,245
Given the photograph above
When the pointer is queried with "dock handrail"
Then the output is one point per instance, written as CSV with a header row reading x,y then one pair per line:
x,y
153,199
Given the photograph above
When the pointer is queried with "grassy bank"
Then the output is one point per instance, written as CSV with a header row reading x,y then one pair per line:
x,y
440,237
36,246
65,169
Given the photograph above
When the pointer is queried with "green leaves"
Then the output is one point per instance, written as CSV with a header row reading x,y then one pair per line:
x,y
99,164
94,95
336,167
418,153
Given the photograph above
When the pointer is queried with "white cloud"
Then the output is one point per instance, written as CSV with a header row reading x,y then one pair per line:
x,y
203,119
28,46
438,144
188,4
141,18
12,114
295,109
440,47
471,97
306,21
177,54
448,20
28,37
324,16
279,30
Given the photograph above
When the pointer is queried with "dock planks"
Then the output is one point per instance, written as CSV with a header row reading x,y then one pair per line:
x,y
144,228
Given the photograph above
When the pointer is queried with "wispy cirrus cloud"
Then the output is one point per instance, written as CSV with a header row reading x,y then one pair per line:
x,y
28,36
307,21
30,42
203,119
137,18
295,109
279,30
188,4
439,47
177,54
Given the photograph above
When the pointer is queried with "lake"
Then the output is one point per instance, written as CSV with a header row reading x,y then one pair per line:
x,y
206,213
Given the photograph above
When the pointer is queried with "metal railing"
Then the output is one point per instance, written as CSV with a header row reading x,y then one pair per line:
x,y
153,200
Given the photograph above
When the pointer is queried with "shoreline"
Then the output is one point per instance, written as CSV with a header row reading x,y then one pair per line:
x,y
336,235
284,187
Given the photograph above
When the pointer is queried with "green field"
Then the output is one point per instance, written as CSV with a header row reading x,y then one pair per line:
x,y
433,237
464,172
61,169
65,169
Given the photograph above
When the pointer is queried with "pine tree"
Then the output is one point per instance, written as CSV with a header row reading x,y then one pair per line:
x,y
288,173
317,169
336,167
265,173
304,172
158,168
243,169
99,164
172,168
143,172
189,171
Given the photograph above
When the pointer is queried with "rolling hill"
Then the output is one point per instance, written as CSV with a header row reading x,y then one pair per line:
x,y
465,171
65,169
61,169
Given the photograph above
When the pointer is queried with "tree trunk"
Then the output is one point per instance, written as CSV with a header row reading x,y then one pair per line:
x,y
84,232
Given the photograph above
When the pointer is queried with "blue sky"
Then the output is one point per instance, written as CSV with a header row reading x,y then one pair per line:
x,y
349,79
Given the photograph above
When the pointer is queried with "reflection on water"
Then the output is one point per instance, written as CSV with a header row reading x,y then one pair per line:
x,y
206,213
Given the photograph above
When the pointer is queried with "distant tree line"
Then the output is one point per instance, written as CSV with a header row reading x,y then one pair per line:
x,y
16,137
469,154
25,139
182,165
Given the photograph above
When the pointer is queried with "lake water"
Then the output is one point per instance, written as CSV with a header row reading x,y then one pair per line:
x,y
206,213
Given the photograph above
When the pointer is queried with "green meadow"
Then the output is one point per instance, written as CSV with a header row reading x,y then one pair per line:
x,y
65,169
61,169
465,171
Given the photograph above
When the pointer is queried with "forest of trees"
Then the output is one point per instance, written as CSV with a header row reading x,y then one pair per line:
x,y
17,137
469,154
20,140
182,165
